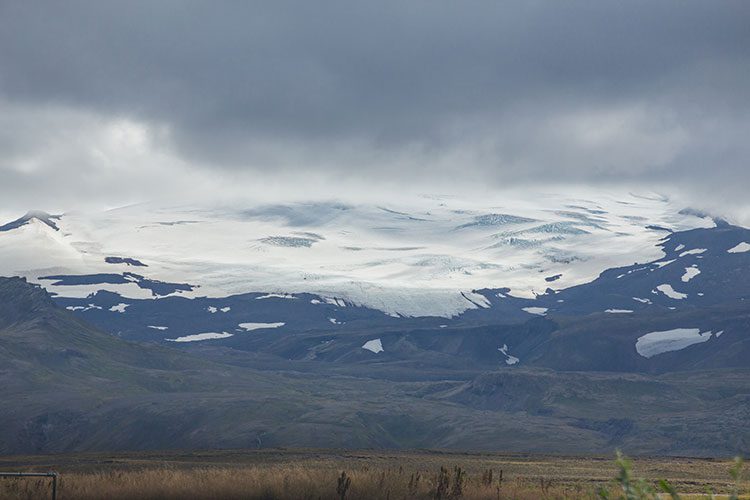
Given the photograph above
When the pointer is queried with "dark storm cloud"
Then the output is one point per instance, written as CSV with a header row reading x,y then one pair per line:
x,y
492,91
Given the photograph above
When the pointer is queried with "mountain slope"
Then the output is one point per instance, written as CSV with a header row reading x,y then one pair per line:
x,y
68,387
33,215
685,310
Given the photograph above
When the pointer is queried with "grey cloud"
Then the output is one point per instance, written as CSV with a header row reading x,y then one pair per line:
x,y
499,92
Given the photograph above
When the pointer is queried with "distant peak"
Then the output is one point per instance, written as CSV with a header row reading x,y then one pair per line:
x,y
39,215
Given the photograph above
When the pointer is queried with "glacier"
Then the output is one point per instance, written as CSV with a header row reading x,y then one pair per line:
x,y
425,256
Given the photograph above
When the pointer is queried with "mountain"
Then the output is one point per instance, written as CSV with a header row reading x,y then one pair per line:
x,y
686,309
680,306
32,216
69,387
464,324
421,257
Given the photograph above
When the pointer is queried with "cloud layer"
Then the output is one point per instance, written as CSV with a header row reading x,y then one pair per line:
x,y
200,97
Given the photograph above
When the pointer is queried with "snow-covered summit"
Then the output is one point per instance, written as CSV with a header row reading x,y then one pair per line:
x,y
422,256
32,215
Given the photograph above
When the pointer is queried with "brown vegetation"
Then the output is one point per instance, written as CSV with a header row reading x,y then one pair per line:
x,y
364,476
282,483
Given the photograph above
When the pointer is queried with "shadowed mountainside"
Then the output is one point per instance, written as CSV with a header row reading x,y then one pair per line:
x,y
69,387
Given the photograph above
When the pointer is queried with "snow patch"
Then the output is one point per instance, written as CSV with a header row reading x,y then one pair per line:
x,y
334,301
539,311
509,360
373,346
214,310
670,292
83,308
158,327
259,326
663,263
741,248
280,296
642,301
479,300
690,273
694,251
120,308
201,336
654,343
618,311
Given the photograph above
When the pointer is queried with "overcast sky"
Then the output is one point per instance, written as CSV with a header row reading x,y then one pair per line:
x,y
113,102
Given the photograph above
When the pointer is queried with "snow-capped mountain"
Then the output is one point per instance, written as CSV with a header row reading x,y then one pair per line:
x,y
419,258
606,283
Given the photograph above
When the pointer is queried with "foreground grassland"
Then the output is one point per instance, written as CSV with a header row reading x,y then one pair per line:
x,y
314,474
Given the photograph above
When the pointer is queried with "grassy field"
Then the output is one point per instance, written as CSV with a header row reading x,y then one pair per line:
x,y
314,474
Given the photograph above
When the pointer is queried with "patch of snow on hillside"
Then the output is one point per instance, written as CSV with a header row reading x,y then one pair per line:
x,y
663,263
259,326
642,301
158,327
201,336
334,301
509,360
124,290
335,321
654,343
679,247
83,308
741,248
690,273
479,300
214,309
618,311
120,308
279,296
374,346
694,251
670,292
539,311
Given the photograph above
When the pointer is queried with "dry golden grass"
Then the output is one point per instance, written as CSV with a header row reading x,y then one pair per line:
x,y
316,474
279,482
